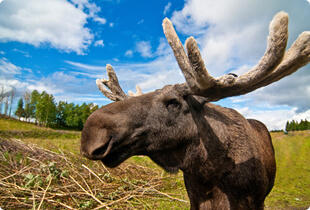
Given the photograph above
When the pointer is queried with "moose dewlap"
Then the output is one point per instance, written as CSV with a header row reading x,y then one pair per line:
x,y
228,161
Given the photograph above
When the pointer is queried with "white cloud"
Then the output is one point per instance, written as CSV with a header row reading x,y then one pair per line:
x,y
24,53
111,25
91,8
167,8
57,23
100,20
274,119
99,43
62,85
160,79
293,91
129,53
8,69
149,76
163,48
144,48
85,66
7,73
77,98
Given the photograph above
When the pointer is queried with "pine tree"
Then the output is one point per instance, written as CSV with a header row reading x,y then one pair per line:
x,y
20,109
61,114
287,126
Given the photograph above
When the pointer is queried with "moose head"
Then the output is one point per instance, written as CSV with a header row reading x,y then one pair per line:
x,y
227,160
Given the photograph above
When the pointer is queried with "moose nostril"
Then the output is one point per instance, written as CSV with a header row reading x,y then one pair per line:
x,y
99,151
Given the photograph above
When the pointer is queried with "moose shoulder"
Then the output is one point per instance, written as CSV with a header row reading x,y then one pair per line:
x,y
228,161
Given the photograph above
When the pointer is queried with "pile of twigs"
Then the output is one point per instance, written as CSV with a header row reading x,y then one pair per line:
x,y
31,177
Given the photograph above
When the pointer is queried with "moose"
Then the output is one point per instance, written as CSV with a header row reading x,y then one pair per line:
x,y
228,161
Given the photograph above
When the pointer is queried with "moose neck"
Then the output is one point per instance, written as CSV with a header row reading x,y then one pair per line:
x,y
203,160
203,151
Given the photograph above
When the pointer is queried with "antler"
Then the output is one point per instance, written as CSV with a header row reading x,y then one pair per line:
x,y
274,65
116,93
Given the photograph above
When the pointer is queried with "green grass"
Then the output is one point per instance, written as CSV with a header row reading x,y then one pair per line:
x,y
292,184
11,124
47,138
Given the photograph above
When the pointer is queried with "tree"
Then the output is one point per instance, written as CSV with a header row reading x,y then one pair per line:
x,y
46,110
297,126
20,109
61,114
287,126
34,98
71,116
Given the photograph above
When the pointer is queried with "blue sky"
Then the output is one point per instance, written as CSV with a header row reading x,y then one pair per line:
x,y
62,47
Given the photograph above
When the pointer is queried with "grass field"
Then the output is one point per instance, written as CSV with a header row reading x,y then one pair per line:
x,y
292,185
137,183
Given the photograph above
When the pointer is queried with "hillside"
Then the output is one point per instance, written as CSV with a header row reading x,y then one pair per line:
x,y
42,168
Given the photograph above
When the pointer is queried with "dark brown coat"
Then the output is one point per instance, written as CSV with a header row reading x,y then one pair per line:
x,y
227,160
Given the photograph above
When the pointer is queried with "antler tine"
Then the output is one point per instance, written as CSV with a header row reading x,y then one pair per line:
x,y
116,93
203,78
260,74
138,92
229,85
297,56
277,40
179,53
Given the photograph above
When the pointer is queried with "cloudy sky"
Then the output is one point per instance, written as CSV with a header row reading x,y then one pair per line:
x,y
62,46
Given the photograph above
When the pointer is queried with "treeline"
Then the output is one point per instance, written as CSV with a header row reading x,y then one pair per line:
x,y
297,126
42,109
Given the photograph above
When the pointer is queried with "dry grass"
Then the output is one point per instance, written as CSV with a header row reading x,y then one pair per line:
x,y
31,177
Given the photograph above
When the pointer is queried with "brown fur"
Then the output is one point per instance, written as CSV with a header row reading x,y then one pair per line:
x,y
228,161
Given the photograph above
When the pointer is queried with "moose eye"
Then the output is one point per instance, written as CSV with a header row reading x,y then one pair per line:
x,y
172,103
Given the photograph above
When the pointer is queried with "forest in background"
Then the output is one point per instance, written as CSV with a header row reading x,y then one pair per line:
x,y
42,109
297,126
